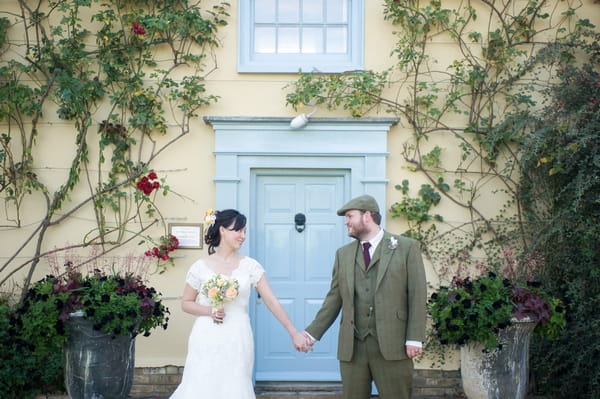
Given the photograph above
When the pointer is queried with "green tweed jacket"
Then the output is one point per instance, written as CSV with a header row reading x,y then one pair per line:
x,y
400,297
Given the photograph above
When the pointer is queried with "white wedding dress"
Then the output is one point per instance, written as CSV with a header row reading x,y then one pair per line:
x,y
221,356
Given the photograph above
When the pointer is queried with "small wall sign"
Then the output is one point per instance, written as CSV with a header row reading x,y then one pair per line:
x,y
188,234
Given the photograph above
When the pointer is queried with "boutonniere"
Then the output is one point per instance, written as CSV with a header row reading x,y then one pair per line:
x,y
393,244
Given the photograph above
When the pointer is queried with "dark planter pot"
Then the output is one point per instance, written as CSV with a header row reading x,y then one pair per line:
x,y
498,374
96,365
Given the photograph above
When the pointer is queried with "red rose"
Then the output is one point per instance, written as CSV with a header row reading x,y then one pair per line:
x,y
138,29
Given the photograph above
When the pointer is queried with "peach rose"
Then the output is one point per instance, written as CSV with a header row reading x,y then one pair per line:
x,y
231,292
213,292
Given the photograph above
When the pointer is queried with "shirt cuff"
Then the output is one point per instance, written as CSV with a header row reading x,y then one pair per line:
x,y
418,344
309,336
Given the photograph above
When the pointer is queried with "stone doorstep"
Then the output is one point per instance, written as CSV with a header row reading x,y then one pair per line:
x,y
298,390
284,386
312,390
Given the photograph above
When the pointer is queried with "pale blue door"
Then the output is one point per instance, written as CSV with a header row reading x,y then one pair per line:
x,y
298,260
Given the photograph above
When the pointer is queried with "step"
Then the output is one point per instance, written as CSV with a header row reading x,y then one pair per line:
x,y
298,390
312,390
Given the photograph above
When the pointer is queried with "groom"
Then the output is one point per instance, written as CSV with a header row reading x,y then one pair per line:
x,y
381,290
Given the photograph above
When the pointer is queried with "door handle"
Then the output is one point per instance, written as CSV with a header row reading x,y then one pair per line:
x,y
300,222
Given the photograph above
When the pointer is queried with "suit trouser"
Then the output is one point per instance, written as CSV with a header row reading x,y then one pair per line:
x,y
393,378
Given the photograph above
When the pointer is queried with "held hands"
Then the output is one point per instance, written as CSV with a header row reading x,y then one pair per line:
x,y
302,341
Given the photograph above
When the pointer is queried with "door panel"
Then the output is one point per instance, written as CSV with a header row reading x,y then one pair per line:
x,y
298,265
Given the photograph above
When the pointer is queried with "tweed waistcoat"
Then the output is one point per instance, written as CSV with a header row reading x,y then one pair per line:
x,y
364,297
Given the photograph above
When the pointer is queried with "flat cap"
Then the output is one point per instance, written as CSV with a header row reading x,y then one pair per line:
x,y
362,203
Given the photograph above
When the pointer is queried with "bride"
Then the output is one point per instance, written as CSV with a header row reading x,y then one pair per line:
x,y
221,347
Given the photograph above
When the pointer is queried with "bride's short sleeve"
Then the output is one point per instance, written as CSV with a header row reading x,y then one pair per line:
x,y
193,277
256,272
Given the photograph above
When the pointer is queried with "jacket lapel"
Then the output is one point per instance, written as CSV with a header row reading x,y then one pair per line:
x,y
348,260
383,254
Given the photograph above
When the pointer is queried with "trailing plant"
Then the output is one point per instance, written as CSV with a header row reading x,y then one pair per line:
x,y
471,310
475,310
116,304
118,82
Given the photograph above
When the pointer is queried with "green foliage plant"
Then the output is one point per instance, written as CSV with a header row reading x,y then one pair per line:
x,y
122,79
561,185
27,341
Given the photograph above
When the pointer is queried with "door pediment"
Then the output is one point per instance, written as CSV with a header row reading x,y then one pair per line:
x,y
243,143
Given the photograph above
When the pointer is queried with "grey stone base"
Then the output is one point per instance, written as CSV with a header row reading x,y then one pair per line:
x,y
160,382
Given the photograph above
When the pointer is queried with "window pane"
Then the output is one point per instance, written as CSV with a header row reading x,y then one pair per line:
x,y
282,36
264,40
264,11
336,40
289,11
312,41
337,12
289,40
312,11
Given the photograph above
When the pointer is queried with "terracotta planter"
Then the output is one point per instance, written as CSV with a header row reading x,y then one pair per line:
x,y
498,374
96,365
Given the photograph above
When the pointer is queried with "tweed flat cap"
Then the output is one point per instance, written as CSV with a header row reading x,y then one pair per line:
x,y
362,203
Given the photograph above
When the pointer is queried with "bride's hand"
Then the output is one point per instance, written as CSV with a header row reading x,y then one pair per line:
x,y
218,314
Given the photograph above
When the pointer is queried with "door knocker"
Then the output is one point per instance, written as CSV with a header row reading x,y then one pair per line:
x,y
300,222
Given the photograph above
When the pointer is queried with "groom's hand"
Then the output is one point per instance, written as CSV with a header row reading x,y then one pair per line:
x,y
310,341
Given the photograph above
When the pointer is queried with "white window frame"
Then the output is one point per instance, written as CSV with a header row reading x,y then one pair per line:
x,y
250,62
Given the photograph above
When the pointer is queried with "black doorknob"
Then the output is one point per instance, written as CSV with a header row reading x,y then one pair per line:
x,y
300,222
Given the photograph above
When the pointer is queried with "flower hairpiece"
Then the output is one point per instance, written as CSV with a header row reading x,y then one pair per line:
x,y
393,243
209,217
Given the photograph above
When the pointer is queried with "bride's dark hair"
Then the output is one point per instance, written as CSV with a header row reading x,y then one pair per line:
x,y
229,219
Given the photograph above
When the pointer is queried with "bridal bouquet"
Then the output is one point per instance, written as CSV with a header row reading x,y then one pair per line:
x,y
220,289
